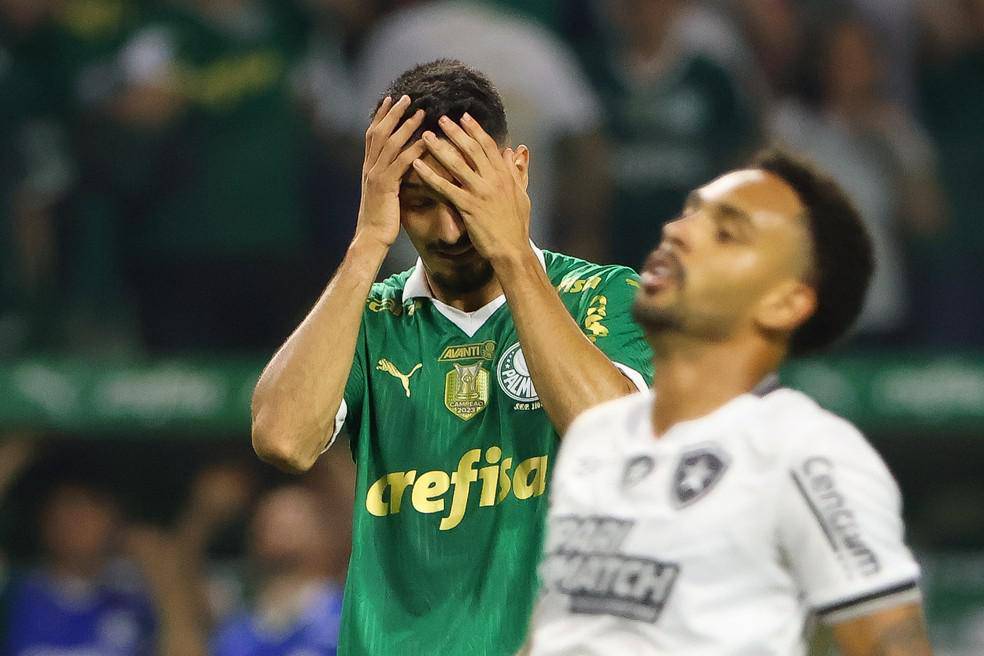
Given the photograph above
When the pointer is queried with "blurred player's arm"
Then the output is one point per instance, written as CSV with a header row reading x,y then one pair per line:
x,y
301,389
849,557
570,373
899,631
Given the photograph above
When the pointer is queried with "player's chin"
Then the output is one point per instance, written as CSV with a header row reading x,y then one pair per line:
x,y
465,276
660,297
654,314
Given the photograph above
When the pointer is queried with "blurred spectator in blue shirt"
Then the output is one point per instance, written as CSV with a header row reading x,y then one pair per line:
x,y
293,604
297,608
79,603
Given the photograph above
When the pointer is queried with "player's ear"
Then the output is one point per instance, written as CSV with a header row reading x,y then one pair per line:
x,y
521,156
787,306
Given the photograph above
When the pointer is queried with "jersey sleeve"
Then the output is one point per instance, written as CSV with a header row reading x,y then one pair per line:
x,y
607,321
350,411
840,527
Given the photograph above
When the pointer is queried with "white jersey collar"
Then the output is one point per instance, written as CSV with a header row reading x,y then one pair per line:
x,y
469,322
723,414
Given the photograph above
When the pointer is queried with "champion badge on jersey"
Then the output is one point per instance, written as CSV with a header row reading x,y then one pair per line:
x,y
514,375
698,471
466,385
466,390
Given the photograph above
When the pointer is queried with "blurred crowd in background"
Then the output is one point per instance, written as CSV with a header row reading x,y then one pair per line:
x,y
223,563
182,177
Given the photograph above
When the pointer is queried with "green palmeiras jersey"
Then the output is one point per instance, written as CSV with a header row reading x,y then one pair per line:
x,y
453,453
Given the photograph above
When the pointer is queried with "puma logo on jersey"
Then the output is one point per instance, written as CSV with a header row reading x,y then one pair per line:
x,y
390,368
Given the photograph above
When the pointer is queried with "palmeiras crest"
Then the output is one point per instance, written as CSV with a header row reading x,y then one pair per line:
x,y
466,390
696,474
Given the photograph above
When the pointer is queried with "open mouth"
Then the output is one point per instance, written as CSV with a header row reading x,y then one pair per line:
x,y
662,269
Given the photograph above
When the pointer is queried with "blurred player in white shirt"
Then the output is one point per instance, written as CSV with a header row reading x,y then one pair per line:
x,y
718,514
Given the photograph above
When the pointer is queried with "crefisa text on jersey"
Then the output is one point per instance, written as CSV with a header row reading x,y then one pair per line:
x,y
385,496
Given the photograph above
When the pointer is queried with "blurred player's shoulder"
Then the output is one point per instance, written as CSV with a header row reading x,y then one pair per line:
x,y
795,423
621,415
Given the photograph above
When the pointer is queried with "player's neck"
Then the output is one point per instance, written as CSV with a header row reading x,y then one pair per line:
x,y
467,301
693,381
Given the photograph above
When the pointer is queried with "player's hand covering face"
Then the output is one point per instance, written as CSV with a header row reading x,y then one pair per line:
x,y
736,260
386,161
486,187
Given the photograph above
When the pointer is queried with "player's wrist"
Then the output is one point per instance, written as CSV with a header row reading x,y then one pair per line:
x,y
368,246
514,262
364,258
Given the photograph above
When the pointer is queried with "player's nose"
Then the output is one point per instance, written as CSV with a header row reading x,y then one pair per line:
x,y
450,225
676,233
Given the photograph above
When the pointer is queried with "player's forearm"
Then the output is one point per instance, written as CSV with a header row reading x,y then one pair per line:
x,y
569,372
301,389
898,631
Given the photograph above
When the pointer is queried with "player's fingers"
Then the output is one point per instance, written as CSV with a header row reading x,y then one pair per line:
x,y
399,139
488,145
384,128
376,118
455,194
370,131
403,161
451,158
470,148
381,110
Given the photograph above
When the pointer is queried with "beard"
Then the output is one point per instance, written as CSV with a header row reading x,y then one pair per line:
x,y
657,320
681,319
469,278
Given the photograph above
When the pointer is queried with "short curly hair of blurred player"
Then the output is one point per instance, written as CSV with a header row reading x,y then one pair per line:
x,y
843,255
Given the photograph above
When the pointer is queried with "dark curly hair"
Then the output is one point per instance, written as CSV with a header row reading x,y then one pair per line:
x,y
843,258
447,87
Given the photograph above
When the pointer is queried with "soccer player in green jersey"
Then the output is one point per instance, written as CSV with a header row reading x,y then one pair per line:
x,y
454,377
